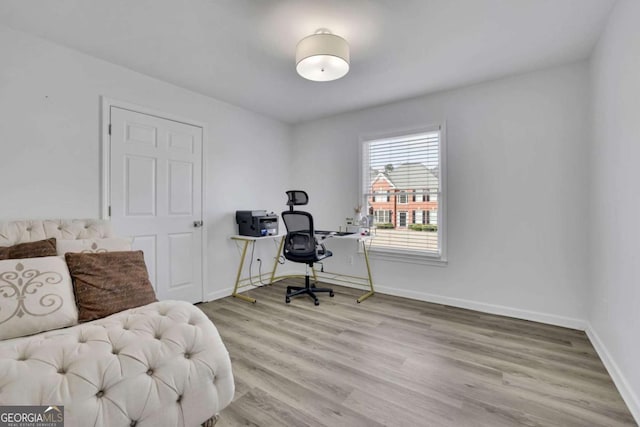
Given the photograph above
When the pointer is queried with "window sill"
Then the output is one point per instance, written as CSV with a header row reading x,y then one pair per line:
x,y
408,257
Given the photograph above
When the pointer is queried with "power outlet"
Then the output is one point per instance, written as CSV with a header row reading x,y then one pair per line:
x,y
350,259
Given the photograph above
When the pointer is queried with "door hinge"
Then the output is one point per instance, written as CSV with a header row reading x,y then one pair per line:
x,y
109,211
109,128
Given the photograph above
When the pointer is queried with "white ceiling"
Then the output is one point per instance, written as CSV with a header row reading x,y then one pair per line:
x,y
242,51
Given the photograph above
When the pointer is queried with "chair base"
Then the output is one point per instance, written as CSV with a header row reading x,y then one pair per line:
x,y
307,289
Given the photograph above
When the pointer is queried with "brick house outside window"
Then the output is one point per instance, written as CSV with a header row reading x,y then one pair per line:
x,y
405,195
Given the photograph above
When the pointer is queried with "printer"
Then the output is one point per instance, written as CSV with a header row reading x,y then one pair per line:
x,y
257,223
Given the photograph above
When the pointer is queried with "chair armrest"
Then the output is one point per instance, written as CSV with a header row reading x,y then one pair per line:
x,y
320,248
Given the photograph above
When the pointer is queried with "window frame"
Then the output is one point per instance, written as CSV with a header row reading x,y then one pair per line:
x,y
407,255
382,195
386,214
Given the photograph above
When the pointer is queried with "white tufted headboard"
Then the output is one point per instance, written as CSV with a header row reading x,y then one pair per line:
x,y
14,232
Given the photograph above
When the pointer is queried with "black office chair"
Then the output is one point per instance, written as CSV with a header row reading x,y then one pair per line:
x,y
300,244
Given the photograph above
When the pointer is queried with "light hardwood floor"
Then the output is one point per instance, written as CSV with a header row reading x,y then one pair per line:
x,y
398,362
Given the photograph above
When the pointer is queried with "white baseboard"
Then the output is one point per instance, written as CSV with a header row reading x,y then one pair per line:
x,y
212,296
222,293
550,319
627,393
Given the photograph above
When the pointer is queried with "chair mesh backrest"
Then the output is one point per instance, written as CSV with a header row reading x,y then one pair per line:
x,y
297,221
300,240
297,198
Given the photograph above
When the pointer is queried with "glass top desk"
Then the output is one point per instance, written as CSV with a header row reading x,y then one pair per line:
x,y
323,237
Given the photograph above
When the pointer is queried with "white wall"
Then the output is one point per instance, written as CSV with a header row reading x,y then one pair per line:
x,y
524,189
517,176
50,142
615,200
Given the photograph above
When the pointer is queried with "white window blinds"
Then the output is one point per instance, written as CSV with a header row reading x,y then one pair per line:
x,y
401,192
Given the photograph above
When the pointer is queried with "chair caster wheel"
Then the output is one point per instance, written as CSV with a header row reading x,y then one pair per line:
x,y
287,300
331,294
316,302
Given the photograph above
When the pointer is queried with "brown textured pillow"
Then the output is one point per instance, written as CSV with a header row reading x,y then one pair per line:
x,y
38,249
106,283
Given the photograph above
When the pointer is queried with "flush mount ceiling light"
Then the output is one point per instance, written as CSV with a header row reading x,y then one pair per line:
x,y
322,56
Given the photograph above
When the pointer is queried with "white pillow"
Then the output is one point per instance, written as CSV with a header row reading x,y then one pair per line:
x,y
36,295
92,246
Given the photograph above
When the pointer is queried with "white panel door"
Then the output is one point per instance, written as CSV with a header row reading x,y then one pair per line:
x,y
156,197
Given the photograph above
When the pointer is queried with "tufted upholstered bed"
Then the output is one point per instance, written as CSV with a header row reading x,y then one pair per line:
x,y
162,364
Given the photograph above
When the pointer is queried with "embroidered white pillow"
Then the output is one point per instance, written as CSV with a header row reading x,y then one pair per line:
x,y
36,295
93,246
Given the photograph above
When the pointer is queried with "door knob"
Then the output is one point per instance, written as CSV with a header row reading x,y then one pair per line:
x,y
198,224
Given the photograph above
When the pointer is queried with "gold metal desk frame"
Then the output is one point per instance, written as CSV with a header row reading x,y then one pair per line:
x,y
338,277
247,281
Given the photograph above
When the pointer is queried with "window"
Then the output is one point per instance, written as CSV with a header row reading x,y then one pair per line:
x,y
413,166
381,217
381,196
